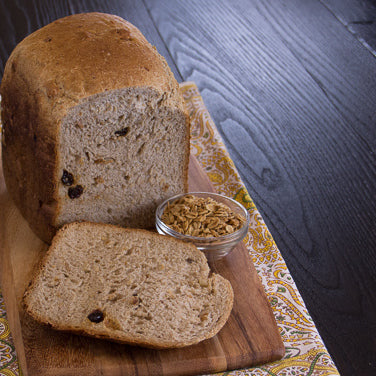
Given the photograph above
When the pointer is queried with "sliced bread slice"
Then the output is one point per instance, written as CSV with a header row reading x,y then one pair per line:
x,y
130,286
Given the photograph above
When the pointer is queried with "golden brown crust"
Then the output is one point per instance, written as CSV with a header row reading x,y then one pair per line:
x,y
24,143
48,73
64,65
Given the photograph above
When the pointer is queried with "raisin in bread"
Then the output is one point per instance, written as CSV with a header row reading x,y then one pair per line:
x,y
128,285
94,125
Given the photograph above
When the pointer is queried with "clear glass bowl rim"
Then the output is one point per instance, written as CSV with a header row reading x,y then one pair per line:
x,y
238,234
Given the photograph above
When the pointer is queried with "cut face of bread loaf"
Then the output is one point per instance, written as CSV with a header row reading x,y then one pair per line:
x,y
126,152
94,125
130,286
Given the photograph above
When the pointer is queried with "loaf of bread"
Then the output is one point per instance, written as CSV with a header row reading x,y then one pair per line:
x,y
128,285
94,125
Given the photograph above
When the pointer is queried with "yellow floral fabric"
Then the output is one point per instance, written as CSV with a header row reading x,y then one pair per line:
x,y
8,358
305,351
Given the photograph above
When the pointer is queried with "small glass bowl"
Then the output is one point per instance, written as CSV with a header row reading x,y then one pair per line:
x,y
213,247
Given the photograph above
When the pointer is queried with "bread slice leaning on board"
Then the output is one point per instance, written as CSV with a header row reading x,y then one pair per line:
x,y
128,285
94,125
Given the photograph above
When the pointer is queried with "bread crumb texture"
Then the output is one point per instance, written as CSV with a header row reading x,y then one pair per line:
x,y
115,147
130,286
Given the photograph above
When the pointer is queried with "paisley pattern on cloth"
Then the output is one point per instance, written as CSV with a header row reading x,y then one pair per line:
x,y
305,351
8,357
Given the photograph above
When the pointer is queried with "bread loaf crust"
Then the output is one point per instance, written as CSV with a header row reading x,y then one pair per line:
x,y
53,70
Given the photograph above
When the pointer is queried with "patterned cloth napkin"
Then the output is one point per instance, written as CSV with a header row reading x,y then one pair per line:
x,y
305,351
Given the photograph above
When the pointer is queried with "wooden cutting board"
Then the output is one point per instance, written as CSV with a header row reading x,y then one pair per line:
x,y
249,337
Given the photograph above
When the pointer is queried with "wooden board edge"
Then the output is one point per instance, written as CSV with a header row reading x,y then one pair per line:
x,y
280,349
9,296
15,324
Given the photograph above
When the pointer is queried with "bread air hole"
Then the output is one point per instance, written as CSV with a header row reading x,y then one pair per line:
x,y
204,316
79,125
117,272
135,300
78,158
141,149
98,180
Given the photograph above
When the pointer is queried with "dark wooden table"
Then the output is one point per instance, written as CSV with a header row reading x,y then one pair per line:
x,y
291,85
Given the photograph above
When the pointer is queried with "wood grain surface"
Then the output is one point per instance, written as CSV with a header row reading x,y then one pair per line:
x,y
291,86
359,17
249,337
